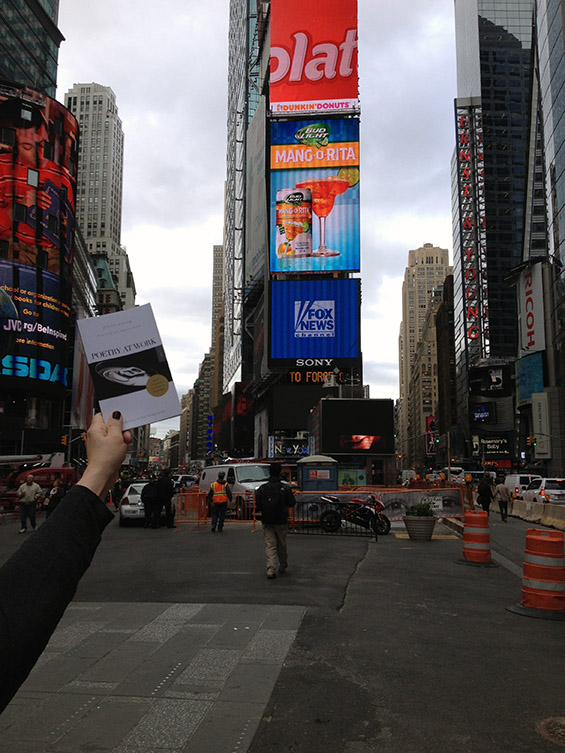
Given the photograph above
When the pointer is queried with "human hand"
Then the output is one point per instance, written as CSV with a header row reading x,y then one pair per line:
x,y
106,447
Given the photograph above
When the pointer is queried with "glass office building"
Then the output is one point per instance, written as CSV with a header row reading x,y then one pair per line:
x,y
490,177
29,43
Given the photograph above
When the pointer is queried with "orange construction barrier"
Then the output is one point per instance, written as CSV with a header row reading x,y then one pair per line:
x,y
476,540
543,578
191,507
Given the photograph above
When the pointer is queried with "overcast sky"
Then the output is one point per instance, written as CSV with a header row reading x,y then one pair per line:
x,y
167,64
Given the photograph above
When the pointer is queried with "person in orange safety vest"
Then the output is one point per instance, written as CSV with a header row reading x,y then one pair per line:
x,y
218,496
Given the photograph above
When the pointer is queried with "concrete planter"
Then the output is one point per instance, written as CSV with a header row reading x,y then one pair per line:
x,y
420,528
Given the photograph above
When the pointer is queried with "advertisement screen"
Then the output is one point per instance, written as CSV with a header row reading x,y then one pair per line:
x,y
529,377
38,155
490,381
314,319
313,56
357,426
314,196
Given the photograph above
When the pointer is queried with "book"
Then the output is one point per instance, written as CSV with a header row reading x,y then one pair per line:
x,y
128,366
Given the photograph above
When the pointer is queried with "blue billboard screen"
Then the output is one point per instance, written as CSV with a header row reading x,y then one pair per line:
x,y
314,319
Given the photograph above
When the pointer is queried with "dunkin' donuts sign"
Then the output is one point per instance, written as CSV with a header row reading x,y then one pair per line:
x,y
313,57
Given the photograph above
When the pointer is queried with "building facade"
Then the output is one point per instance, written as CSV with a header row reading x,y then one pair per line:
x,y
494,119
100,180
428,266
29,43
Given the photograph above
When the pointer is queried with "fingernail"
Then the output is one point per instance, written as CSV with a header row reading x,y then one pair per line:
x,y
117,415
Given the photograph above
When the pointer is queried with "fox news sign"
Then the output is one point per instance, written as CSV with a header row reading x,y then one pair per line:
x,y
314,319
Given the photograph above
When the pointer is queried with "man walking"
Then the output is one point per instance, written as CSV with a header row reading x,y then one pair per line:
x,y
218,497
272,500
502,494
28,493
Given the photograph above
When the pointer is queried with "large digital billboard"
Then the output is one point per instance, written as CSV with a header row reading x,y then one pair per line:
x,y
356,427
38,158
314,319
313,56
314,196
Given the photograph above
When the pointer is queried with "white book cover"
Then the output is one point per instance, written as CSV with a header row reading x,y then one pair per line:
x,y
128,366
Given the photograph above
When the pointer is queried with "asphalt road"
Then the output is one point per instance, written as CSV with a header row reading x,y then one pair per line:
x,y
401,649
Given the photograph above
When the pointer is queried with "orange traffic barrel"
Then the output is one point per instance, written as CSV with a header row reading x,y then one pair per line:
x,y
476,540
543,575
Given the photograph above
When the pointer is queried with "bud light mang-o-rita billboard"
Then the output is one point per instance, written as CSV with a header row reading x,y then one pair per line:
x,y
38,165
313,57
314,319
314,196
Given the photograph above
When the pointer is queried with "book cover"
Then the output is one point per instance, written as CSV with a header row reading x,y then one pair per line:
x,y
128,366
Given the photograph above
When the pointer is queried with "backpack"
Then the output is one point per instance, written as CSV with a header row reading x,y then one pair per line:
x,y
272,507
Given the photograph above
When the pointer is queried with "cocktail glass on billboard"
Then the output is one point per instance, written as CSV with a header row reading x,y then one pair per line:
x,y
324,192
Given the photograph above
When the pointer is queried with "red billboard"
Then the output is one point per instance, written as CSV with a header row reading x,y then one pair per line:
x,y
313,57
38,165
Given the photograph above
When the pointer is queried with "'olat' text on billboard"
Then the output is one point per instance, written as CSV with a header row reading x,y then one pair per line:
x,y
313,57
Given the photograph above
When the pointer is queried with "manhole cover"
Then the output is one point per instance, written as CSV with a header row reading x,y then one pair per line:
x,y
554,729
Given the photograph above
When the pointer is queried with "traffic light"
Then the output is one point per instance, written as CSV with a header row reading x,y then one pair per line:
x,y
65,439
534,441
530,441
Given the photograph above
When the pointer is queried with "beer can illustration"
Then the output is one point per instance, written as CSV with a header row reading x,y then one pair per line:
x,y
294,222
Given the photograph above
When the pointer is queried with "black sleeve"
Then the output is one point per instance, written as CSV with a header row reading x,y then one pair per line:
x,y
289,498
40,579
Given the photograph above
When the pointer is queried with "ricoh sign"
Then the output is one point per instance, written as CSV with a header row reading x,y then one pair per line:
x,y
313,57
531,315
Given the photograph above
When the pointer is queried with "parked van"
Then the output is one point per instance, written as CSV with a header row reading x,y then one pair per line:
x,y
516,483
242,478
454,473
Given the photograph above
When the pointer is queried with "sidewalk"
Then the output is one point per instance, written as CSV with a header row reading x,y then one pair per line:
x,y
419,655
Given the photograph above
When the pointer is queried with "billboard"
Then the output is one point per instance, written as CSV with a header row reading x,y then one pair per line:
x,y
314,319
313,57
314,196
38,158
531,310
356,427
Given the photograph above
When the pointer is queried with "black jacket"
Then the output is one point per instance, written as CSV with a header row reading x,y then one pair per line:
x,y
287,497
40,579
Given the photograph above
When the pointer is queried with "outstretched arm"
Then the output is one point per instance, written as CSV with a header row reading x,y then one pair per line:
x,y
40,579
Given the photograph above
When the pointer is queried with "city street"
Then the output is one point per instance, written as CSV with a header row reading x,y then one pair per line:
x,y
177,641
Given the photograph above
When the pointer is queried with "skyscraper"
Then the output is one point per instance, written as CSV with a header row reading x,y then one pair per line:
x,y
243,97
100,179
29,43
490,186
428,266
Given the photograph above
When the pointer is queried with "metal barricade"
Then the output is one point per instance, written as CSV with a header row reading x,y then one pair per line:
x,y
191,507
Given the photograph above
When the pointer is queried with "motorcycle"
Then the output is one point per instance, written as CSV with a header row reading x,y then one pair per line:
x,y
367,513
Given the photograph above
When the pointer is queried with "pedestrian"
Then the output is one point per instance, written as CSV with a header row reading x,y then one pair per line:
x,y
40,579
502,495
150,498
56,494
28,493
218,497
484,493
165,489
272,500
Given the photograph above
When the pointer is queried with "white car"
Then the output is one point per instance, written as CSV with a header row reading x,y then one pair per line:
x,y
545,490
131,506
